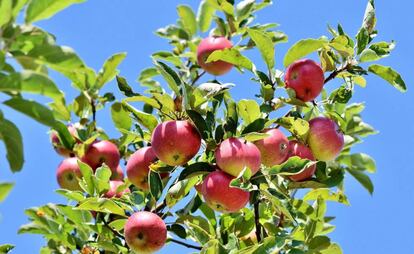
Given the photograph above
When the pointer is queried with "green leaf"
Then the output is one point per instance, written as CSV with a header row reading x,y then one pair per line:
x,y
233,56
121,116
103,205
303,48
30,82
265,45
155,184
124,87
188,19
6,248
109,70
377,51
179,190
249,110
244,8
13,141
200,123
341,44
195,169
389,75
292,166
369,20
296,126
118,224
360,161
178,230
362,178
362,40
326,194
101,179
5,189
254,136
147,120
332,249
205,15
32,109
172,78
5,11
43,9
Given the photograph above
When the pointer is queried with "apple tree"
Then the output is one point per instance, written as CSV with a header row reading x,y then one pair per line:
x,y
203,170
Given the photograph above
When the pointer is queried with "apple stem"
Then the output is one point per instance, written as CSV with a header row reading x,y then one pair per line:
x,y
186,244
256,220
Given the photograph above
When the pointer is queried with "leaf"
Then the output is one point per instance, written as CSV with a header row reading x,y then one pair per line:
x,y
30,82
118,224
302,48
292,166
233,56
369,20
109,70
360,161
172,78
124,87
265,45
188,19
205,15
327,195
389,75
147,120
200,123
244,8
249,110
296,126
87,182
5,189
362,178
121,116
377,51
43,9
13,141
32,109
5,11
179,190
195,169
101,179
178,230
155,184
332,249
254,136
103,205
6,248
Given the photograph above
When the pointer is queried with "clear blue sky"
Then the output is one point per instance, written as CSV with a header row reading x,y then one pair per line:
x,y
98,28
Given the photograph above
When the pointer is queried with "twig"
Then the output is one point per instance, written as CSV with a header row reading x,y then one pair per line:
x,y
197,78
161,206
112,230
186,244
256,221
336,72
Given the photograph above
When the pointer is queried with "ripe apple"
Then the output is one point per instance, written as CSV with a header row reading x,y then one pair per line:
x,y
274,149
301,150
220,196
234,154
175,142
102,152
68,173
118,174
325,138
58,146
206,47
145,232
306,78
113,186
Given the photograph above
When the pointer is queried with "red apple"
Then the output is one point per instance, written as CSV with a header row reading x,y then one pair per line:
x,y
58,146
175,142
220,196
301,150
145,232
68,173
206,47
113,186
138,167
325,138
274,149
306,78
102,152
118,174
234,154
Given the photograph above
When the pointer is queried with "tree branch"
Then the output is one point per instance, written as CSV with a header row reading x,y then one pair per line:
x,y
110,228
197,78
256,221
336,72
186,244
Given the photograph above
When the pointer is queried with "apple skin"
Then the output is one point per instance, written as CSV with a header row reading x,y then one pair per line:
x,y
301,150
306,78
113,186
209,45
234,154
145,232
101,152
58,146
274,149
67,173
118,174
325,138
175,142
220,196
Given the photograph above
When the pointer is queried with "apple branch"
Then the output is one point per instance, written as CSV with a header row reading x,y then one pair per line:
x,y
256,221
336,72
185,244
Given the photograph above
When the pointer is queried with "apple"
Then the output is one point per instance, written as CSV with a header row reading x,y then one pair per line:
x,y
68,173
306,78
220,196
145,232
101,152
113,186
325,138
209,45
175,142
137,167
118,174
301,150
58,146
274,149
234,154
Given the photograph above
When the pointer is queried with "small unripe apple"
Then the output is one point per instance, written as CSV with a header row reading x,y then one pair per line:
x,y
220,196
274,149
206,47
175,142
234,154
325,138
306,78
118,174
58,146
145,232
113,186
68,173
302,151
102,152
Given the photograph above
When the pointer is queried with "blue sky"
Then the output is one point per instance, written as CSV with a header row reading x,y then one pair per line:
x,y
381,223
